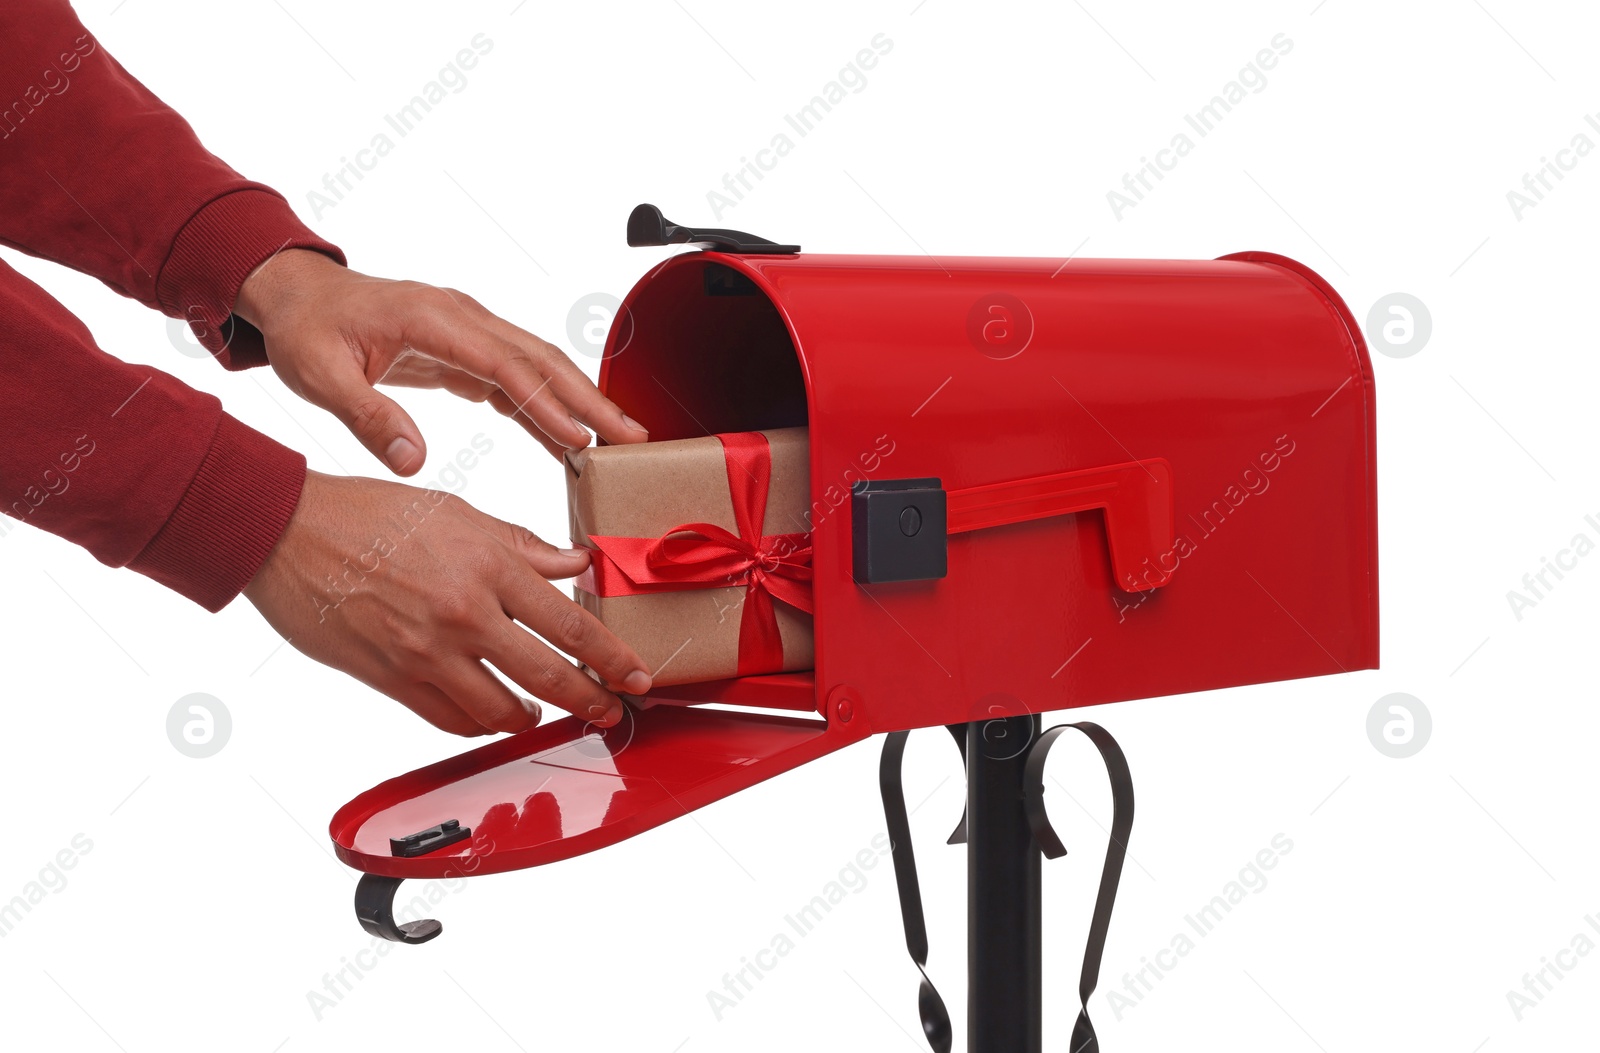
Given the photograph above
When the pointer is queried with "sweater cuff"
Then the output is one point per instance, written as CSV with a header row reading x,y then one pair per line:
x,y
230,518
218,248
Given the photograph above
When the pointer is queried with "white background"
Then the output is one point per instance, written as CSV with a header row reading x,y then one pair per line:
x,y
1380,152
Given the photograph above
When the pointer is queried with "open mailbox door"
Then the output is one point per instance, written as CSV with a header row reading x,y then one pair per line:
x,y
1036,485
565,788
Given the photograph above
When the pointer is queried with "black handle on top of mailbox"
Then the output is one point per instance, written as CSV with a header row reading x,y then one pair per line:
x,y
647,226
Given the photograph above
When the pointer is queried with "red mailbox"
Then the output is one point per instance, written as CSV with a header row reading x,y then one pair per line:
x,y
1036,484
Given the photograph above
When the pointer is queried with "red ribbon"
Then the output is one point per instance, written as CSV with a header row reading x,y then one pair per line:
x,y
704,555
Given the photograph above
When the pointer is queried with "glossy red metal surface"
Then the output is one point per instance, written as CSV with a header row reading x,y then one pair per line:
x,y
1135,498
563,789
1246,375
1034,390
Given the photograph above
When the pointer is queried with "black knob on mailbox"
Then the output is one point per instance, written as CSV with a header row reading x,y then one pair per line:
x,y
647,226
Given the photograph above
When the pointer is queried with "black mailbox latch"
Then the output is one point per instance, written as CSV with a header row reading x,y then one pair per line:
x,y
433,838
898,530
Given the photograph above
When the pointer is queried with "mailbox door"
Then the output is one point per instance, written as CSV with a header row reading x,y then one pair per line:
x,y
1246,375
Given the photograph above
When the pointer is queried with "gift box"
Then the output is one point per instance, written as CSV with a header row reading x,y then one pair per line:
x,y
701,551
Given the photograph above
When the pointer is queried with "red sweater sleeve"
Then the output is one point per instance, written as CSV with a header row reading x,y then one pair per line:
x,y
98,174
140,469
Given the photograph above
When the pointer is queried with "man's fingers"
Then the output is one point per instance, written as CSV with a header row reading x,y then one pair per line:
x,y
585,402
432,705
484,698
420,371
503,404
489,356
549,612
546,559
528,597
581,398
545,674
543,389
373,417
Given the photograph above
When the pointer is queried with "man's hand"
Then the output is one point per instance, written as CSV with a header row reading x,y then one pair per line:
x,y
332,333
411,591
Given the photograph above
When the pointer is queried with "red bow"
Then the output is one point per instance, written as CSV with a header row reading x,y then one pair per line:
x,y
704,555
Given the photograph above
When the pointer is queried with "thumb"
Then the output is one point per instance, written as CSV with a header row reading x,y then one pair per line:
x,y
386,430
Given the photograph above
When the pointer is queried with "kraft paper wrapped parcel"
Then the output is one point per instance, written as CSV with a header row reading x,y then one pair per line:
x,y
701,555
